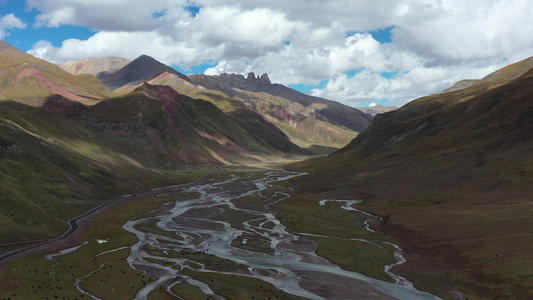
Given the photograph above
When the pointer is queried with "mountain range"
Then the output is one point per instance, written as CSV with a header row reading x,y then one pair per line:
x,y
316,124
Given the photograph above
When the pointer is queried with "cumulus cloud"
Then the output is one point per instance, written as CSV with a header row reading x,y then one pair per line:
x,y
117,15
9,21
434,42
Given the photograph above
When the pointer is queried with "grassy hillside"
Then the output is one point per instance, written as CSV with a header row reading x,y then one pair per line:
x,y
158,127
453,176
53,169
297,122
31,80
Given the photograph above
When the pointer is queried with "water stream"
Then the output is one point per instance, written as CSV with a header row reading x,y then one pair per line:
x,y
290,264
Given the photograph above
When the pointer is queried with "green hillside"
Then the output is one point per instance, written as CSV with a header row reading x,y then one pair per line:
x,y
452,174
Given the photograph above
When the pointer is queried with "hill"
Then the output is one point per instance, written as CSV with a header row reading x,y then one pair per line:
x,y
31,80
451,175
53,169
299,123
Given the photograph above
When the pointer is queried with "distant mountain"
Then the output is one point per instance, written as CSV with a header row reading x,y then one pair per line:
x,y
95,66
142,69
31,80
450,172
377,109
323,109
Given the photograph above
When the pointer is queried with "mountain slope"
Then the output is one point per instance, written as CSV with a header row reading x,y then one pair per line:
x,y
53,169
142,69
498,77
453,175
95,65
31,80
160,128
323,109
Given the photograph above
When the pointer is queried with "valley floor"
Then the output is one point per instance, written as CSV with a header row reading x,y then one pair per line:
x,y
241,233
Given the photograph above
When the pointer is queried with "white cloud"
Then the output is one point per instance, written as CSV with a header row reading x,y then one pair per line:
x,y
9,21
434,42
44,50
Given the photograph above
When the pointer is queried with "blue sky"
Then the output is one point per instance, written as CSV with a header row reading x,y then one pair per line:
x,y
356,52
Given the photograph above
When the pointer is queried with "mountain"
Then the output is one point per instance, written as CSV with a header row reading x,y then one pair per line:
x,y
323,109
32,81
296,121
142,69
376,109
95,66
452,176
158,127
53,168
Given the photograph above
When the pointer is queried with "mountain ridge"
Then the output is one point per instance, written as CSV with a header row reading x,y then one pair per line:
x,y
32,80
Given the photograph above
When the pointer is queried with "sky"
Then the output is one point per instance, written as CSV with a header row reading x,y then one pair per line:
x,y
357,52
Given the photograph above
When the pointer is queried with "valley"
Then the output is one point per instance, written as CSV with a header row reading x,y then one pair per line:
x,y
220,230
125,178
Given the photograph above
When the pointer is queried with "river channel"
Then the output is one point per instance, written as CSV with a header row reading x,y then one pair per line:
x,y
212,222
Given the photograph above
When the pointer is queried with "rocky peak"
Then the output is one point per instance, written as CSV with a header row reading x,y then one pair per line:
x,y
249,83
263,80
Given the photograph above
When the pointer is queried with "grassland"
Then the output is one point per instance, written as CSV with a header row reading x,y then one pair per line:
x,y
104,270
36,277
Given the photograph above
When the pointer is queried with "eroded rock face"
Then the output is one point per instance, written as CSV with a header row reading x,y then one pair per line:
x,y
248,83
